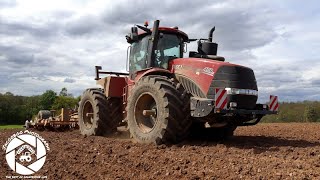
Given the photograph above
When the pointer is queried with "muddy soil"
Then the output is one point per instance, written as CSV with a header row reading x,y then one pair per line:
x,y
264,151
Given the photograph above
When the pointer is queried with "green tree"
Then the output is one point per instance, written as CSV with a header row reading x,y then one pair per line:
x,y
63,92
64,102
47,99
12,109
16,109
33,105
8,94
310,114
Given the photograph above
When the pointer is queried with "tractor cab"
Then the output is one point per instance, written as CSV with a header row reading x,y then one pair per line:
x,y
170,46
157,46
154,49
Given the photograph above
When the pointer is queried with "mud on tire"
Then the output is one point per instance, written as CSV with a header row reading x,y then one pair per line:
x,y
169,104
98,114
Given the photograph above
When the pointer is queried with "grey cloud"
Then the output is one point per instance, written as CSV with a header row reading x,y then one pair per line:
x,y
240,57
69,80
24,28
6,79
62,14
17,56
237,29
316,83
23,56
279,77
290,93
43,30
276,77
287,82
40,78
141,10
240,29
299,94
83,26
7,3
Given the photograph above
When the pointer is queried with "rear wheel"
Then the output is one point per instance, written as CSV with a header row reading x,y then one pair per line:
x,y
158,111
98,114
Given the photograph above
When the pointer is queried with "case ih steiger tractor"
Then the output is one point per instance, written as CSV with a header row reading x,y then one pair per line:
x,y
165,96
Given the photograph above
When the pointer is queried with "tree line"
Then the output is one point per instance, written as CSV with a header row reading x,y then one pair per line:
x,y
15,109
306,111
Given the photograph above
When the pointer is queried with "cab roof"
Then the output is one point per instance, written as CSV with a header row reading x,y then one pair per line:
x,y
167,30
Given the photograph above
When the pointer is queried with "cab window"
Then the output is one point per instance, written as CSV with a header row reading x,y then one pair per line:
x,y
169,47
138,55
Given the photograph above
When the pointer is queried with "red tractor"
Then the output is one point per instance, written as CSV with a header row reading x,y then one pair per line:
x,y
164,96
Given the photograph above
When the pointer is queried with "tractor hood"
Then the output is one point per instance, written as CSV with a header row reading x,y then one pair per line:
x,y
201,76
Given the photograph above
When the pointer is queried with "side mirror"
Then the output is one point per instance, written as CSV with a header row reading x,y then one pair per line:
x,y
133,35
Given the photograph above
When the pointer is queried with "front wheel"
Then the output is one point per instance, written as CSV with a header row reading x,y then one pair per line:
x,y
158,111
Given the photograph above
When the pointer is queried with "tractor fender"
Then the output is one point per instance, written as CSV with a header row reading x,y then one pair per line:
x,y
113,85
153,71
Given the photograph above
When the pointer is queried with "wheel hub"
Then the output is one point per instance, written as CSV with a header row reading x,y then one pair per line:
x,y
87,114
146,112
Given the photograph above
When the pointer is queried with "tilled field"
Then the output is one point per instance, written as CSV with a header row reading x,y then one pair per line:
x,y
264,151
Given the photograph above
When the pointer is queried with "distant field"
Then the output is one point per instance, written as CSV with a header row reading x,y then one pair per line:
x,y
11,126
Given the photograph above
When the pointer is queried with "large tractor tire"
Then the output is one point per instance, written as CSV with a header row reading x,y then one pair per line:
x,y
158,111
98,114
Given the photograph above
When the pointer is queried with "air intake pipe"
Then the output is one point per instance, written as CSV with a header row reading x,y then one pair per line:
x,y
211,34
208,47
153,42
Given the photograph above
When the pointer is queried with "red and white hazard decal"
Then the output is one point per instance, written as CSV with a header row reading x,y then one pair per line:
x,y
220,99
273,104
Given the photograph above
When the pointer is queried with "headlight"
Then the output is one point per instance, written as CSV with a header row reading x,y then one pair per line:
x,y
242,91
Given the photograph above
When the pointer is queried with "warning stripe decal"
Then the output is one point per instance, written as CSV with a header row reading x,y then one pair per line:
x,y
273,104
220,99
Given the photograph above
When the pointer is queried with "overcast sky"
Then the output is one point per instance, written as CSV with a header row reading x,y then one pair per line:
x,y
54,44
